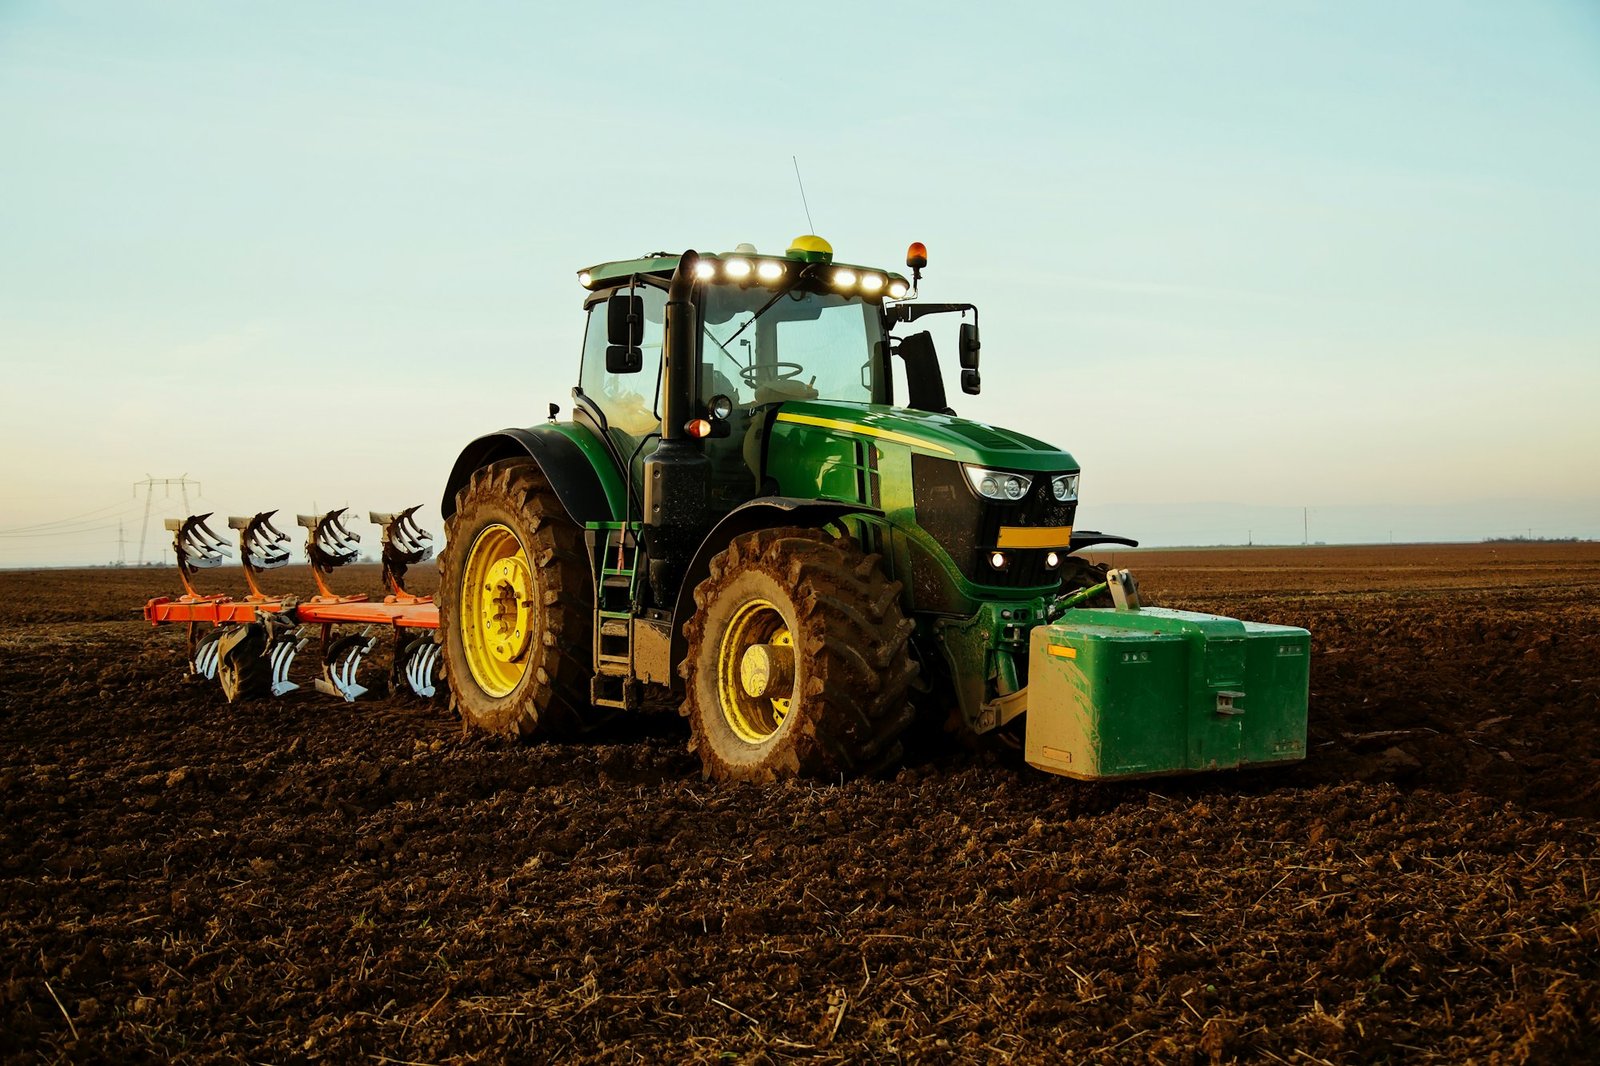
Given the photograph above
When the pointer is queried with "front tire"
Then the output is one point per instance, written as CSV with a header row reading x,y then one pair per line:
x,y
798,664
515,606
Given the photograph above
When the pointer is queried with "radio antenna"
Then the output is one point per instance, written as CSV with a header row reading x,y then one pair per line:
x,y
811,225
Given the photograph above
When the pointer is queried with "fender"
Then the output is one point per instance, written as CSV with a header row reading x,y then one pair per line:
x,y
572,472
764,512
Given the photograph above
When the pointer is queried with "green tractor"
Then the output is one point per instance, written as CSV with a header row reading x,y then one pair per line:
x,y
764,514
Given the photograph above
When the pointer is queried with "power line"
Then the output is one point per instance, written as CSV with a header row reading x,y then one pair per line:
x,y
118,508
58,534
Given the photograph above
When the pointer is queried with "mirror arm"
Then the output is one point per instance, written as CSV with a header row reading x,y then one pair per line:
x,y
911,312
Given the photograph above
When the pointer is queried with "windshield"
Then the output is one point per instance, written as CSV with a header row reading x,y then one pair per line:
x,y
806,346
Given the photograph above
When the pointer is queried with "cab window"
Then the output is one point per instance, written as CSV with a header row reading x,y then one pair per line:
x,y
630,402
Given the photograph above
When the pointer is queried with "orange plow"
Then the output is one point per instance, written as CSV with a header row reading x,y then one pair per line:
x,y
249,643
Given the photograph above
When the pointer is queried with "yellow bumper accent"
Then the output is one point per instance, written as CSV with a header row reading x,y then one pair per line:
x,y
1063,651
1035,537
864,430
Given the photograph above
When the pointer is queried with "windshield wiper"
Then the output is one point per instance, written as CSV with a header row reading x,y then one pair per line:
x,y
782,292
731,357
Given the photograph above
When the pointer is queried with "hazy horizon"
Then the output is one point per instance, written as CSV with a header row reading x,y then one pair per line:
x,y
1283,256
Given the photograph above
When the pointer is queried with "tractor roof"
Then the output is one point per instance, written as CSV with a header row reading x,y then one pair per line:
x,y
805,249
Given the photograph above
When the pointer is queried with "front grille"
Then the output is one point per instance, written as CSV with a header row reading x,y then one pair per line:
x,y
968,527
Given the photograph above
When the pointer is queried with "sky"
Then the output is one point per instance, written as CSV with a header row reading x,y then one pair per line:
x,y
1275,271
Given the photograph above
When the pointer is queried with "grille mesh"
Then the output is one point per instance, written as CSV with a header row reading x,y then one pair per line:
x,y
968,527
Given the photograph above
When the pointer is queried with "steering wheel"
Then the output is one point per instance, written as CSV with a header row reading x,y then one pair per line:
x,y
761,373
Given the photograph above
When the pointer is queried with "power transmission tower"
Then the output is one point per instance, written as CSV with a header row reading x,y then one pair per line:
x,y
122,545
183,481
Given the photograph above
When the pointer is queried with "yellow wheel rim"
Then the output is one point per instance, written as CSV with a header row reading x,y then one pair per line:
x,y
497,610
754,703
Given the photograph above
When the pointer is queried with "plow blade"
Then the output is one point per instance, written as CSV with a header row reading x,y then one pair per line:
x,y
1140,693
207,651
402,536
261,544
197,547
405,544
416,664
254,658
341,664
328,543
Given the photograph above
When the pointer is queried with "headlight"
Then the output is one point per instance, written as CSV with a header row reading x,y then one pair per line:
x,y
1065,487
997,484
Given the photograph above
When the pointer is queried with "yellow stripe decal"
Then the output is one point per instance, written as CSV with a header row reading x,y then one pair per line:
x,y
1035,537
868,431
1063,652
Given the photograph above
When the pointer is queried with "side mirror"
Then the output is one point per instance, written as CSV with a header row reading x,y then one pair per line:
x,y
624,331
620,359
971,384
968,346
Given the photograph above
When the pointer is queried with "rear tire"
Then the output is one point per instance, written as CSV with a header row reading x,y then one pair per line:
x,y
515,606
827,625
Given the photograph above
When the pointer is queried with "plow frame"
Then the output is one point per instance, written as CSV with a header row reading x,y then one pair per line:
x,y
209,617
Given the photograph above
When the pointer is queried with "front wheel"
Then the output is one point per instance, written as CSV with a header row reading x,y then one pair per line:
x,y
798,663
515,606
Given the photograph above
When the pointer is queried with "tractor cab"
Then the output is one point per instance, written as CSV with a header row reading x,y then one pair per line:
x,y
771,330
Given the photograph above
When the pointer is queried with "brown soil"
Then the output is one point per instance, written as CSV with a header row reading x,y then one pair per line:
x,y
308,880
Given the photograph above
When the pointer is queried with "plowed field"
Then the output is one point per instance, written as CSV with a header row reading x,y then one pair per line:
x,y
304,880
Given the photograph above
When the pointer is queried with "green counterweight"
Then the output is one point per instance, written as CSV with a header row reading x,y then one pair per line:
x,y
1138,693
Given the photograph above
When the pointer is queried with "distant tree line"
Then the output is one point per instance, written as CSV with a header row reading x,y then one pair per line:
x,y
1532,540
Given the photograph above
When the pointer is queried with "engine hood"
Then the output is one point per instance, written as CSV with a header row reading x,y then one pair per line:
x,y
948,436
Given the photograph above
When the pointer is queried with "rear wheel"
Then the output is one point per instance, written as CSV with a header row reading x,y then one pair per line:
x,y
515,606
798,662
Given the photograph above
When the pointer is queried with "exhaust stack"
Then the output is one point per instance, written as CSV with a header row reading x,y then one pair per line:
x,y
675,473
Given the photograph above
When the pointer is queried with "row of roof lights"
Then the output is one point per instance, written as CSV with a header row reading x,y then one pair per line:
x,y
771,271
738,268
